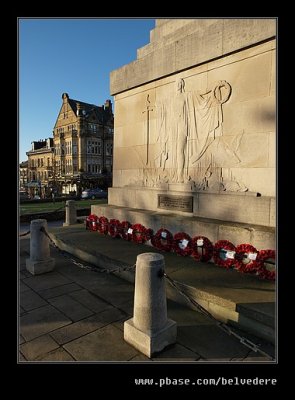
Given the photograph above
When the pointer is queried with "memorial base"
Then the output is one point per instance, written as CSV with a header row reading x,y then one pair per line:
x,y
218,216
150,343
40,267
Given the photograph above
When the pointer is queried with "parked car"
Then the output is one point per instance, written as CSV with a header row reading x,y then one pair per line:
x,y
96,193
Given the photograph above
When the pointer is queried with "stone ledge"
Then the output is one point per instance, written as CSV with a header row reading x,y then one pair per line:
x,y
259,236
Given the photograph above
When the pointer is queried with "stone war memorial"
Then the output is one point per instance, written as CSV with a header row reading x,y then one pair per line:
x,y
195,131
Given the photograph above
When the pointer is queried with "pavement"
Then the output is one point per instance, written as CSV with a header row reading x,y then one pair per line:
x,y
77,315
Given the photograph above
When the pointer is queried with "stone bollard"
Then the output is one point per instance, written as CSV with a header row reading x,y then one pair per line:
x,y
149,330
40,260
71,214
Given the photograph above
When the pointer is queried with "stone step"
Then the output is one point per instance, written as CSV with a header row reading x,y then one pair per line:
x,y
258,322
261,312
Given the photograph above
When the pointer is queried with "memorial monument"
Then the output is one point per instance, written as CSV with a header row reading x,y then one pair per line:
x,y
195,131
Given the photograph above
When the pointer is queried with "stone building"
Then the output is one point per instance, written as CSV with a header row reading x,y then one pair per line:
x,y
83,144
40,167
23,174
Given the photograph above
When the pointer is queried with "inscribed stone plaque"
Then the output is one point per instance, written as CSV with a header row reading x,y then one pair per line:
x,y
177,203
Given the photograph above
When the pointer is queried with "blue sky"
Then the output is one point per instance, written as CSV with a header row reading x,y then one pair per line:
x,y
69,55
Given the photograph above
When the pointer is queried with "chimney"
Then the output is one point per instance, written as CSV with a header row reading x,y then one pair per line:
x,y
79,109
65,97
108,105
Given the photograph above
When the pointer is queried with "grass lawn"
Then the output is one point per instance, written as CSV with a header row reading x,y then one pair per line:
x,y
50,206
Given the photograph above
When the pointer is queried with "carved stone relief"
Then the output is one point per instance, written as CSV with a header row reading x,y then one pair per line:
x,y
189,142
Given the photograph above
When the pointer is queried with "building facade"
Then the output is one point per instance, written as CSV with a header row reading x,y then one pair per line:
x,y
83,145
23,175
40,168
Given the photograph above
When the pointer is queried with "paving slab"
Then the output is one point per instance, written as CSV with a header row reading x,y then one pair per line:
x,y
41,321
59,290
106,344
46,281
21,357
185,316
70,307
115,294
39,346
21,339
23,287
177,352
56,355
210,342
85,326
90,301
139,358
21,310
24,274
77,329
30,300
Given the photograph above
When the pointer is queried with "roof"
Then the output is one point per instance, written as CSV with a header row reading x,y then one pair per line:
x,y
43,150
99,111
23,164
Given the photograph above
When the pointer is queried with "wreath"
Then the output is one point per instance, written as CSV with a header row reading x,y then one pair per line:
x,y
138,233
91,222
103,225
114,228
228,250
263,272
246,252
182,244
203,243
162,240
126,231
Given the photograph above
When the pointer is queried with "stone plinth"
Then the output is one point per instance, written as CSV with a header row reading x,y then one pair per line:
x,y
40,260
262,237
150,331
224,206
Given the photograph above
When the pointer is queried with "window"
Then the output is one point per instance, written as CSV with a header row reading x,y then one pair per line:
x,y
88,147
109,149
